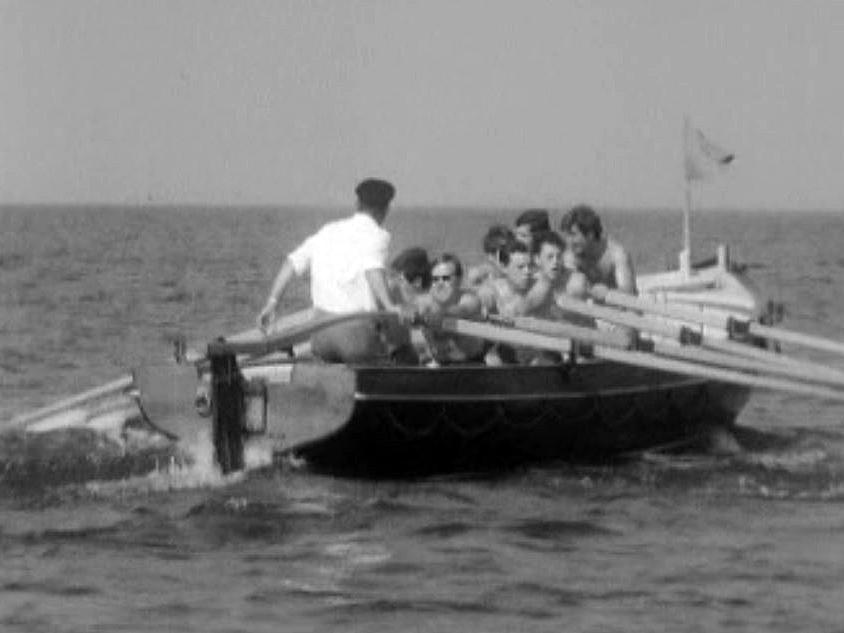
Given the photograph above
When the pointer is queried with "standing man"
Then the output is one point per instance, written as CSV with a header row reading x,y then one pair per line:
x,y
346,260
589,250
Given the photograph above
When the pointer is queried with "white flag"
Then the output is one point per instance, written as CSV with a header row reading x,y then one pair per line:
x,y
703,158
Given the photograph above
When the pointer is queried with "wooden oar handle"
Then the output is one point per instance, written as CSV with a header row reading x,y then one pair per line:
x,y
736,327
113,387
687,314
290,336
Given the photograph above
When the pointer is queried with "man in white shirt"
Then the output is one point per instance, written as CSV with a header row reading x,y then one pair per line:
x,y
346,260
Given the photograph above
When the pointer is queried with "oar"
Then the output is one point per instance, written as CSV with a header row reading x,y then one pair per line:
x,y
167,393
163,384
763,360
280,325
683,313
691,353
797,338
112,388
292,335
699,317
170,401
515,336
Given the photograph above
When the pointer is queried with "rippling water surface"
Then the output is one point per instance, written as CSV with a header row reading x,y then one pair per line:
x,y
101,536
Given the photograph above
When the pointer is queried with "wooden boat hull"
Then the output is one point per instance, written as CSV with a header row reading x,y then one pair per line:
x,y
418,420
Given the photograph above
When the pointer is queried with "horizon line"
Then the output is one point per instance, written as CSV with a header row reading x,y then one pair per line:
x,y
472,208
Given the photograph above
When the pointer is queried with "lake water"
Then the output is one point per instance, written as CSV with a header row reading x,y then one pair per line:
x,y
98,537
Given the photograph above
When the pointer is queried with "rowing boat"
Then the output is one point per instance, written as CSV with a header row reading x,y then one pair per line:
x,y
688,384
389,420
420,420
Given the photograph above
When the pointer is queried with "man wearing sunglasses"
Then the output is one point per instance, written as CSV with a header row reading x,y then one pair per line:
x,y
448,298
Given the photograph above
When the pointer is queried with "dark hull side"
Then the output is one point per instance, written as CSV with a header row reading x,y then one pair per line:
x,y
409,421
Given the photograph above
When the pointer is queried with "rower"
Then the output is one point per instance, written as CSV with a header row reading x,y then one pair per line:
x,y
506,295
448,299
551,278
495,241
409,277
602,260
531,223
409,281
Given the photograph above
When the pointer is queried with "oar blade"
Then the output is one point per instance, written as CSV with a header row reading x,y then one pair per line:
x,y
167,397
50,416
315,404
289,406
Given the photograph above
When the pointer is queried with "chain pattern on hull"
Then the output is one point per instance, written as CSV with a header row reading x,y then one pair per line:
x,y
680,409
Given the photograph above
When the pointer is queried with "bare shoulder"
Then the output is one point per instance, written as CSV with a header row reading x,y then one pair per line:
x,y
623,270
576,285
469,304
616,251
479,274
424,302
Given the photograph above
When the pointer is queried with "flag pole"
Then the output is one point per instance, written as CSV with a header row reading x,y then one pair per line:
x,y
701,158
686,253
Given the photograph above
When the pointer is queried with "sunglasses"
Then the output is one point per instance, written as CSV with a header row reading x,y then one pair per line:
x,y
442,277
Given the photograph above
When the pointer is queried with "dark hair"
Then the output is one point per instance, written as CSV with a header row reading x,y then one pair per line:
x,y
510,249
497,238
413,264
374,193
548,237
448,258
537,219
584,218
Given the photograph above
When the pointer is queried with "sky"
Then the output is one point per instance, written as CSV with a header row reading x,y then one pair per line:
x,y
459,102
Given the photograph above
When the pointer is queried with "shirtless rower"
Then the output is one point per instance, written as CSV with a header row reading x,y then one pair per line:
x,y
552,279
506,296
495,241
409,277
601,259
531,223
447,298
604,262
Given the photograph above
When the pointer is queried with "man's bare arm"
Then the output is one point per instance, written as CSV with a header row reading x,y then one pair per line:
x,y
285,275
538,294
625,276
377,280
